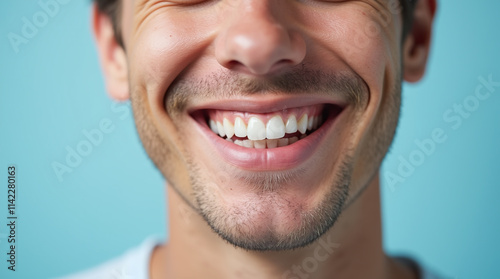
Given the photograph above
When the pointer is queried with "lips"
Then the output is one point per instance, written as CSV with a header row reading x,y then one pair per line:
x,y
266,136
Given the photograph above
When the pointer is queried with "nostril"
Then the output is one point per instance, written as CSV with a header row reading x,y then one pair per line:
x,y
234,64
284,62
253,68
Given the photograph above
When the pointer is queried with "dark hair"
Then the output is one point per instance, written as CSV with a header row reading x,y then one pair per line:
x,y
112,9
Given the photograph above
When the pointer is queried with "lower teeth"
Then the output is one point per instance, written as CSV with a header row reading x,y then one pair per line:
x,y
267,143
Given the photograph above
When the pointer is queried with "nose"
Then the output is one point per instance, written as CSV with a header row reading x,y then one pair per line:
x,y
255,41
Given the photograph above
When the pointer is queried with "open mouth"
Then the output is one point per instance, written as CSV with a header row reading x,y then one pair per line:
x,y
271,130
268,139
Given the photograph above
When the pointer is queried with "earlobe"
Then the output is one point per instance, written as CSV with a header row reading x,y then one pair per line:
x,y
111,55
417,43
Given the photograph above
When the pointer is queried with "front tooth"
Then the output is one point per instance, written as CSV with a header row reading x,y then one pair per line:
x,y
213,126
291,124
275,128
240,129
228,128
238,142
259,144
256,129
272,143
302,124
220,128
315,122
310,123
283,142
248,143
293,140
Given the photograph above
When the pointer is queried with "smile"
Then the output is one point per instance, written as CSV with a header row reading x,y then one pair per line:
x,y
262,137
277,129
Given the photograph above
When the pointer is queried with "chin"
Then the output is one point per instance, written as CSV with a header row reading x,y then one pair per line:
x,y
271,211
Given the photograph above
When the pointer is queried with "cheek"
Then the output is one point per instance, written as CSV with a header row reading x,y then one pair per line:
x,y
162,47
368,46
357,36
158,50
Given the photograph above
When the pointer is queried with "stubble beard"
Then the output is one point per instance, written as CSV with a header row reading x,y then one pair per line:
x,y
235,224
240,224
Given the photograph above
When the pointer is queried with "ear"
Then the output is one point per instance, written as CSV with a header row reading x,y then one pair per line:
x,y
417,43
111,55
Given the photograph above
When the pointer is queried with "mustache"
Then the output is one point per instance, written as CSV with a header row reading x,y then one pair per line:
x,y
297,80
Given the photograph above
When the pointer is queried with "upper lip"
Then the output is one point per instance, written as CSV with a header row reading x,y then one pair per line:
x,y
266,104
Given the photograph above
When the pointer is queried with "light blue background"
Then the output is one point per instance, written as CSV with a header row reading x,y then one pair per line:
x,y
445,214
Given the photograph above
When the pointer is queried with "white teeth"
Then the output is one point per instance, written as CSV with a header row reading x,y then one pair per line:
x,y
272,143
275,128
259,144
310,123
228,128
283,142
248,143
213,126
229,139
315,122
240,129
302,124
256,129
220,128
291,124
269,143
238,142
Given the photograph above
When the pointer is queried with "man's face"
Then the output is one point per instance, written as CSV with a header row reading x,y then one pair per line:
x,y
307,91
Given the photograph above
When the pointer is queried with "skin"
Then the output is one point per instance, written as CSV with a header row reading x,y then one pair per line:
x,y
176,55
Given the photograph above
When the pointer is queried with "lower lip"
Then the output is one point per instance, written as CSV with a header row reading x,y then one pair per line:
x,y
273,159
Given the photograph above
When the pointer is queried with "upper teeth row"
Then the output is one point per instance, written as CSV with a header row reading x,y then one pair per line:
x,y
275,128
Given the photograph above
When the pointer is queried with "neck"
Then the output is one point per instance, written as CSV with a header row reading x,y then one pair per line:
x,y
351,249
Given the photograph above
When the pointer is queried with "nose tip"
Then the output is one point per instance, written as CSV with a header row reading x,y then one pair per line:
x,y
255,43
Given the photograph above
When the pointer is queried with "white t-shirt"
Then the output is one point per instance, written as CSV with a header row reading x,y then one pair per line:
x,y
134,264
